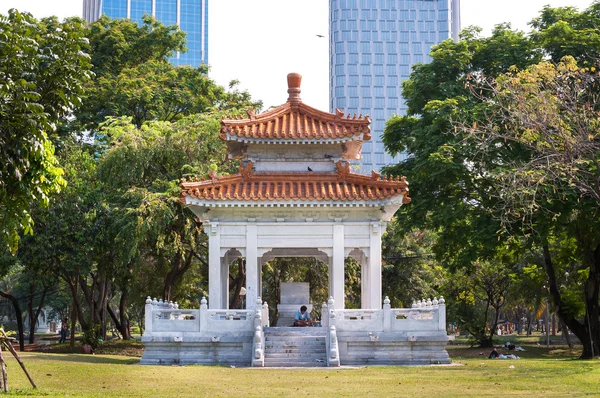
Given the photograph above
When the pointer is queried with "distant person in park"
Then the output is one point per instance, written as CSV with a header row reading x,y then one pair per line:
x,y
63,333
494,354
302,318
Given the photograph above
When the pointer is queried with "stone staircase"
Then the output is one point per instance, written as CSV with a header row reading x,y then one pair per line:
x,y
295,347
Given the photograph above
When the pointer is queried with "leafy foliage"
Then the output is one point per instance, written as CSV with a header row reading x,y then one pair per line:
x,y
42,72
500,142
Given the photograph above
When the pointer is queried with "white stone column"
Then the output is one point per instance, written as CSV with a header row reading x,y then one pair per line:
x,y
251,266
336,267
365,298
214,265
225,282
375,266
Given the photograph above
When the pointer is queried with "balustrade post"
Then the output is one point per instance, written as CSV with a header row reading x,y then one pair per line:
x,y
442,314
258,342
331,311
258,313
324,315
387,315
148,316
265,315
203,315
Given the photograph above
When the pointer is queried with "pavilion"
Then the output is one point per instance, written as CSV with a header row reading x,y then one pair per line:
x,y
295,196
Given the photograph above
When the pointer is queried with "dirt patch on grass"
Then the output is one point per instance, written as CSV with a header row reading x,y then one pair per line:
x,y
130,348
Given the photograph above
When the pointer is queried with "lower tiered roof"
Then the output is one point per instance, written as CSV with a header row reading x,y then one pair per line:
x,y
296,187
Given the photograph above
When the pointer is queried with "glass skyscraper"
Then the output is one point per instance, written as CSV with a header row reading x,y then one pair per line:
x,y
372,47
190,15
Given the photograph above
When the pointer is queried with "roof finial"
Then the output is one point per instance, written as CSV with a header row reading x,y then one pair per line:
x,y
294,81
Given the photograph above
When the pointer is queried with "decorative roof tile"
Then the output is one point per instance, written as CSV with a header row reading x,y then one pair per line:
x,y
296,121
305,186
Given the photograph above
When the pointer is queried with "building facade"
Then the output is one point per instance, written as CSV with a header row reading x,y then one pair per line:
x,y
190,15
372,47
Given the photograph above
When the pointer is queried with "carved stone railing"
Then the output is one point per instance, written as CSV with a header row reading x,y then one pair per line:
x,y
265,315
331,342
425,315
258,341
166,317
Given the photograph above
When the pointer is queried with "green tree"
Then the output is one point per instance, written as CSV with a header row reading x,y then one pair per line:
x,y
553,194
42,72
448,199
134,78
141,171
410,271
477,297
456,180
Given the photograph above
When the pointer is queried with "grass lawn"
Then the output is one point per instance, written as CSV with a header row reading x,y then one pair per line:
x,y
541,372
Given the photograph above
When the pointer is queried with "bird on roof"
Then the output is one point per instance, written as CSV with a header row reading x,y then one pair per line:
x,y
309,169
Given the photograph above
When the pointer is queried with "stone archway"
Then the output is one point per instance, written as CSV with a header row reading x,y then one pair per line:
x,y
361,257
271,292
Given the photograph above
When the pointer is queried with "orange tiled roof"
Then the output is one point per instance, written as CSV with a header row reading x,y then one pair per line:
x,y
296,121
305,186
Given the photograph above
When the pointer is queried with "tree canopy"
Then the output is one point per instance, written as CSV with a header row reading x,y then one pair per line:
x,y
43,69
503,154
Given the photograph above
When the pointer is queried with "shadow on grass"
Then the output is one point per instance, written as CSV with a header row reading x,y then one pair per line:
x,y
86,359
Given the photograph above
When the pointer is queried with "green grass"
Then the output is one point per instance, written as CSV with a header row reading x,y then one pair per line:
x,y
541,372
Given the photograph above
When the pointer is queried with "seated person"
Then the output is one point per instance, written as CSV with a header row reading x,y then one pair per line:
x,y
302,318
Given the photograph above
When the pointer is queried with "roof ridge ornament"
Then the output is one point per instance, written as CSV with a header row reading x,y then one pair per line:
x,y
342,169
246,171
294,81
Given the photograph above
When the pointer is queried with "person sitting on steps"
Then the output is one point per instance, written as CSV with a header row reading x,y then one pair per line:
x,y
302,317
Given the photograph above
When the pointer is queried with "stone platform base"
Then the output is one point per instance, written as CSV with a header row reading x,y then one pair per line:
x,y
355,348
392,348
209,350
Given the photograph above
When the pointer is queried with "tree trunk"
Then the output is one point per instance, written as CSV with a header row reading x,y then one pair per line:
x,y
122,321
588,332
19,316
238,283
76,304
179,268
565,332
33,316
73,325
125,325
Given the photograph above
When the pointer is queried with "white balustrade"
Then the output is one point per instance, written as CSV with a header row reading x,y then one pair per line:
x,y
162,316
424,315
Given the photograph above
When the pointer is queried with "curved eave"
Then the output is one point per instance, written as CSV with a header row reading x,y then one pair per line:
x,y
288,141
189,201
255,126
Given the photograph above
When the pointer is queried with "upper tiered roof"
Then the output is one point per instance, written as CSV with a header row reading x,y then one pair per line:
x,y
296,121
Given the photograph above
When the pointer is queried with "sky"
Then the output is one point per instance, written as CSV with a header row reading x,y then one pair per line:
x,y
259,42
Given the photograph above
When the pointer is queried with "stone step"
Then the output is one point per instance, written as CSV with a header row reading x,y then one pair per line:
x,y
292,348
296,330
296,355
296,335
294,364
295,339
